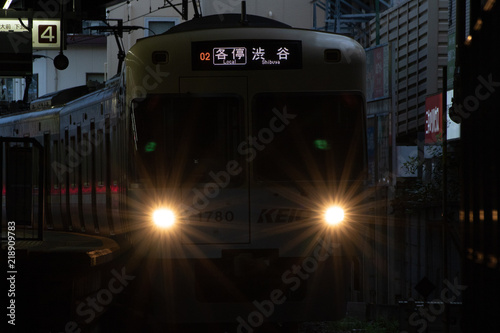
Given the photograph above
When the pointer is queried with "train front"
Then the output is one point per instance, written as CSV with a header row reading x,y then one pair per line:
x,y
247,151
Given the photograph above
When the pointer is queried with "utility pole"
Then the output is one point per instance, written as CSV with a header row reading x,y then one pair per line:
x,y
377,22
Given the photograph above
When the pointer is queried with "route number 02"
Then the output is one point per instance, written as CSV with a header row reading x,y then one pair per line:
x,y
47,34
205,56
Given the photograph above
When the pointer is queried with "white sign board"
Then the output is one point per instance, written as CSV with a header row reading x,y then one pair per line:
x,y
46,33
453,131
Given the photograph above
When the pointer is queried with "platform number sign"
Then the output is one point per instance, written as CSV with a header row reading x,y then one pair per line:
x,y
47,34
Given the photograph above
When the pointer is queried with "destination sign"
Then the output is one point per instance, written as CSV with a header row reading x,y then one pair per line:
x,y
246,54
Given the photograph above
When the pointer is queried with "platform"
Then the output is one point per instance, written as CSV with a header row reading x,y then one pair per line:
x,y
77,250
86,250
53,280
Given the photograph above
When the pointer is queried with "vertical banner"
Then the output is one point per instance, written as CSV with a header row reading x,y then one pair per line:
x,y
370,136
433,119
377,73
451,60
383,149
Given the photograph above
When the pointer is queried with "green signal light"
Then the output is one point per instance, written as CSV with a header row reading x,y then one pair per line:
x,y
150,147
322,144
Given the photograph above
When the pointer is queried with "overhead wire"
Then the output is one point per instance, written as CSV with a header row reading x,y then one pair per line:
x,y
150,9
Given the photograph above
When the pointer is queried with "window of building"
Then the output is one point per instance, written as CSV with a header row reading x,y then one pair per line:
x,y
94,78
6,86
87,28
33,88
158,25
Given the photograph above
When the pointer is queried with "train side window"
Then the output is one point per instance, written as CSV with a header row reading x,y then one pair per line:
x,y
114,160
100,163
64,161
71,162
36,162
48,178
79,156
85,152
92,163
107,153
56,175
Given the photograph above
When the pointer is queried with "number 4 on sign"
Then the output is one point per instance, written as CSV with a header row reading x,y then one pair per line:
x,y
47,34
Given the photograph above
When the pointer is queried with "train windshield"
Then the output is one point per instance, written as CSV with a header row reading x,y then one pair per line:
x,y
307,136
183,138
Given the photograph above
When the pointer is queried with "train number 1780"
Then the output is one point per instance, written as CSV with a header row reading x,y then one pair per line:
x,y
216,215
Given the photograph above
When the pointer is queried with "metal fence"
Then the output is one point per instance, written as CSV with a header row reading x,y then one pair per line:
x,y
22,164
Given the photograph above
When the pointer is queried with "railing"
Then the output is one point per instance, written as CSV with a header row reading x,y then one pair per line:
x,y
22,163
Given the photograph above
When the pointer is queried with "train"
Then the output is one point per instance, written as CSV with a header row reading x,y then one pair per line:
x,y
231,153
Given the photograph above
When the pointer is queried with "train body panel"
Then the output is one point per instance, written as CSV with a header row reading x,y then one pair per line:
x,y
325,65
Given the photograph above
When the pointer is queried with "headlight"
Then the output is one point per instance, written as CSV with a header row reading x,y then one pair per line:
x,y
334,215
164,218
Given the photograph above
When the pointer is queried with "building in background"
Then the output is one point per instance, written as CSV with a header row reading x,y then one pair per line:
x,y
87,61
418,34
146,18
349,17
